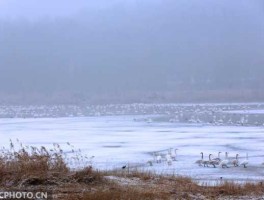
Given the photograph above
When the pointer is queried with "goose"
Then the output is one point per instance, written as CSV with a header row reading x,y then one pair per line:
x,y
199,162
218,158
213,162
235,162
173,154
245,162
224,162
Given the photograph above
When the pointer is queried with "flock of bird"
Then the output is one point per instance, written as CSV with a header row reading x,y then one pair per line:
x,y
226,162
169,157
211,114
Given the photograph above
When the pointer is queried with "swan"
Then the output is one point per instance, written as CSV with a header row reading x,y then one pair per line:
x,y
199,162
224,162
158,158
173,154
168,159
245,162
205,163
213,162
235,162
218,158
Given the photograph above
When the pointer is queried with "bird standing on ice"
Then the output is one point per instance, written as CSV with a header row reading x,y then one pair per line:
x,y
173,154
199,162
235,162
205,162
213,162
218,158
224,162
245,162
168,159
158,158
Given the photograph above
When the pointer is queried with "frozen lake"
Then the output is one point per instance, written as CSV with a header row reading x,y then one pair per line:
x,y
115,141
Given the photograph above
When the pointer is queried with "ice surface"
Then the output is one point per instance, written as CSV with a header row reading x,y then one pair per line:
x,y
127,140
245,111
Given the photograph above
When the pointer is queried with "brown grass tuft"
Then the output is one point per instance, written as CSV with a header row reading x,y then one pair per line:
x,y
38,166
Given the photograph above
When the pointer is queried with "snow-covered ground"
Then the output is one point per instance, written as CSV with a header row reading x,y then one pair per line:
x,y
115,141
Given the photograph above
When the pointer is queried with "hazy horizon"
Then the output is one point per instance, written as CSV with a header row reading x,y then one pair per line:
x,y
170,50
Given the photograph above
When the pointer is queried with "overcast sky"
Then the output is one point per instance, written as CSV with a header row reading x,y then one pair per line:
x,y
128,45
34,9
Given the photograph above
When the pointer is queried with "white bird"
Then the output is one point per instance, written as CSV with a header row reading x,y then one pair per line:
x,y
245,162
199,162
224,162
158,158
168,159
235,162
173,154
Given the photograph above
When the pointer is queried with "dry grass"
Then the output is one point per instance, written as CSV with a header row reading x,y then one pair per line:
x,y
157,187
187,186
115,193
39,168
132,173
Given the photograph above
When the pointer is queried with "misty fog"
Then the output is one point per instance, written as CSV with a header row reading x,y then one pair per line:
x,y
131,51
